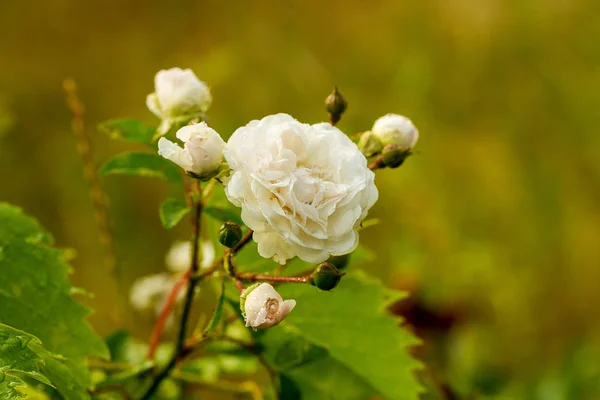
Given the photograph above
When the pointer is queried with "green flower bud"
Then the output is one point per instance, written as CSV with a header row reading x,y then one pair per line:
x,y
393,156
230,234
340,262
326,276
335,104
369,144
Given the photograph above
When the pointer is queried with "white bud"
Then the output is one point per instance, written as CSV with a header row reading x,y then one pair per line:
x,y
150,292
264,307
179,257
202,152
179,95
396,129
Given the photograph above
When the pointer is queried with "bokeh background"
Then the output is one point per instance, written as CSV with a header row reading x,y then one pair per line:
x,y
494,226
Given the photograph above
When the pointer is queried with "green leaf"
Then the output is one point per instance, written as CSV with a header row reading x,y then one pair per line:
x,y
352,325
146,165
324,378
172,211
35,295
218,313
18,358
128,129
219,208
224,214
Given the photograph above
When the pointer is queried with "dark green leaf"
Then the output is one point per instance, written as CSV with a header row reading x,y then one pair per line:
x,y
35,296
324,378
172,211
18,357
147,165
128,129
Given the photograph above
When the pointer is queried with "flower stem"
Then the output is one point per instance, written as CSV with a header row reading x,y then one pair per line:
x,y
164,315
187,307
193,281
289,279
193,277
243,241
377,163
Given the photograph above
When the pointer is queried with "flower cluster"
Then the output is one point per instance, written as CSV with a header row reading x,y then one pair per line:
x,y
303,189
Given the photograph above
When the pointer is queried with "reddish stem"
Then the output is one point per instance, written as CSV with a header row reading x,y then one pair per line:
x,y
164,315
239,285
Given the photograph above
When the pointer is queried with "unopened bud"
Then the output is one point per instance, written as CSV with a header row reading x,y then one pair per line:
x,y
262,307
369,144
396,129
340,262
335,104
230,234
326,276
393,156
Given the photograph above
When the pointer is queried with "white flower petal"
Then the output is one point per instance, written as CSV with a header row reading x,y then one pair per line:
x,y
303,189
153,104
173,152
265,308
396,129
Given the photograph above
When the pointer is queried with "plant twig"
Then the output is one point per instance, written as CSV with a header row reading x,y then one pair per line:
x,y
164,315
189,297
97,195
270,278
243,241
377,163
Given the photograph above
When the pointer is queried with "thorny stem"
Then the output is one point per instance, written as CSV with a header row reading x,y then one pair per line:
x,y
97,195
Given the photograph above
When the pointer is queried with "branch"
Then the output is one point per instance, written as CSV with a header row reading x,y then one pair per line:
x,y
164,315
181,350
168,306
289,279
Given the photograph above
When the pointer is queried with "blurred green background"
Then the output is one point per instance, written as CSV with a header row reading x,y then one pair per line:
x,y
494,226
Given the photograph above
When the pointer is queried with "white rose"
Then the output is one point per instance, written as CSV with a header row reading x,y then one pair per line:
x,y
202,152
303,189
179,257
396,129
264,307
179,96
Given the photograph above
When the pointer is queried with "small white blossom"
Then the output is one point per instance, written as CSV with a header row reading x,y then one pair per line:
x,y
303,189
202,152
179,96
179,256
150,292
265,308
396,129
